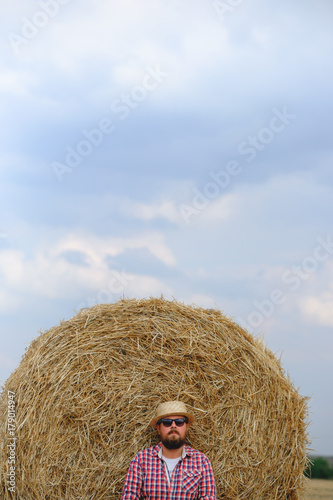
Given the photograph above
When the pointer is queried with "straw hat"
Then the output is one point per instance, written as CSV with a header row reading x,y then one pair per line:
x,y
172,408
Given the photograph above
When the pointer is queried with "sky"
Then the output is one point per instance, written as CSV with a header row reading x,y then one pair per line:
x,y
171,147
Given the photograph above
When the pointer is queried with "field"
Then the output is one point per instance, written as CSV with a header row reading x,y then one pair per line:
x,y
320,489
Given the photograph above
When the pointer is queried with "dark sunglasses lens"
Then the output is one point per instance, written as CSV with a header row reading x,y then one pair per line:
x,y
167,422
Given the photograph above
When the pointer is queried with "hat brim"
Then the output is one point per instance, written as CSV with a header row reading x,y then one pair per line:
x,y
190,416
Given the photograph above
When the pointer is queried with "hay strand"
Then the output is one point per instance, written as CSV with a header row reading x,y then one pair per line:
x,y
87,389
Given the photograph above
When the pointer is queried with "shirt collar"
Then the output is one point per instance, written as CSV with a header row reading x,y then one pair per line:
x,y
186,450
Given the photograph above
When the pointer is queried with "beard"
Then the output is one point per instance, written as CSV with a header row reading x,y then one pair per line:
x,y
173,442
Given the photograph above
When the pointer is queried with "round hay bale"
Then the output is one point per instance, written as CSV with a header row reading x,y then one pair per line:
x,y
86,390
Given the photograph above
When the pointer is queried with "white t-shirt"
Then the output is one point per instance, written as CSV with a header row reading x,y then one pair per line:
x,y
170,464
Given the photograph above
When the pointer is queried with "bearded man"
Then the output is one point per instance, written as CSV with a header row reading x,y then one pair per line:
x,y
171,469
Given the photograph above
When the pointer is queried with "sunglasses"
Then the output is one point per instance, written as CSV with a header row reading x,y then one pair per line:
x,y
167,422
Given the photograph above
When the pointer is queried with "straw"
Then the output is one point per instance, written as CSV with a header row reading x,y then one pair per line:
x,y
87,389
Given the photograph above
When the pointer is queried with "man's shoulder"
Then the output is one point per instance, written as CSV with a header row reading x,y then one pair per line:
x,y
148,452
196,454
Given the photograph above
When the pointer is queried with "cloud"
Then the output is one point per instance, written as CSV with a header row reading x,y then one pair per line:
x,y
200,209
83,35
92,53
16,82
166,209
199,299
130,285
97,249
318,309
146,286
67,266
222,209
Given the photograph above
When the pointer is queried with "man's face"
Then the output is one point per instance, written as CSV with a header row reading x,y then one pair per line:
x,y
172,437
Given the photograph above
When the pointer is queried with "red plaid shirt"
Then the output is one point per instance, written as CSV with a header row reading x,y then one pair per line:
x,y
192,478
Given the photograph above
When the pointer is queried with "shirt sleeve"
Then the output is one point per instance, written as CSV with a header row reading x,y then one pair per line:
x,y
207,488
132,489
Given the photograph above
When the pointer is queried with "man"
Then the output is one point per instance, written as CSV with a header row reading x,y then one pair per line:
x,y
171,469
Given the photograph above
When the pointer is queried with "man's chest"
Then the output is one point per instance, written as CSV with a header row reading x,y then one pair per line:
x,y
183,484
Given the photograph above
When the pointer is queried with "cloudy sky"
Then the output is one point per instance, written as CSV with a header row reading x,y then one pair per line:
x,y
171,147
